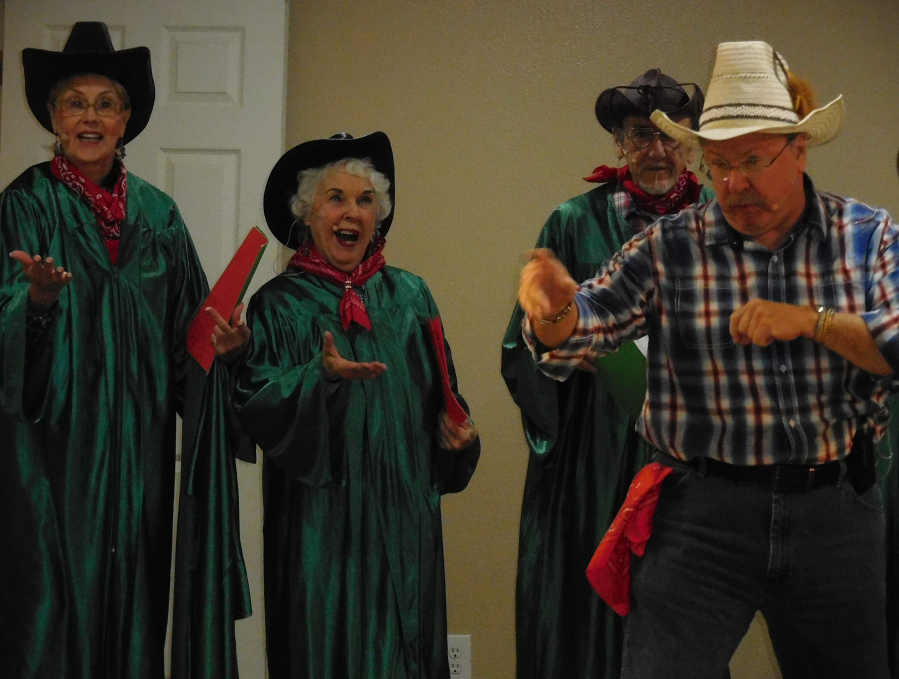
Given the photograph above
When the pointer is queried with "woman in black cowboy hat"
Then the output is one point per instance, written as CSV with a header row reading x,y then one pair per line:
x,y
101,285
341,387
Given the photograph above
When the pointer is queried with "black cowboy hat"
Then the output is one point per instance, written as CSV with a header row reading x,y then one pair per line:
x,y
650,92
89,50
283,182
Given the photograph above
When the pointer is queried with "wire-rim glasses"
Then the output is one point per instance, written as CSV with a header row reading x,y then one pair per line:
x,y
75,107
751,167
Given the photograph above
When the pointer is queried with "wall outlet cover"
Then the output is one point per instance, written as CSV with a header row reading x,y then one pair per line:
x,y
459,652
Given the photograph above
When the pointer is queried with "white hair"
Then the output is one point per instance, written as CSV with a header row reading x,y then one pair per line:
x,y
310,180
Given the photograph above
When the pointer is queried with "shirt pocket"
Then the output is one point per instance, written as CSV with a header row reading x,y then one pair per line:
x,y
702,314
844,290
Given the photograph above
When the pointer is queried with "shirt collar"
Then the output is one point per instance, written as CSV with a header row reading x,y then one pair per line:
x,y
629,209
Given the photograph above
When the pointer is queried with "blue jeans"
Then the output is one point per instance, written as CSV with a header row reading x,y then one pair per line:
x,y
812,562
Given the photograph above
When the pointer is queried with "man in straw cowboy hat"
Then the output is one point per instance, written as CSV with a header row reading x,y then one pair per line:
x,y
583,447
773,320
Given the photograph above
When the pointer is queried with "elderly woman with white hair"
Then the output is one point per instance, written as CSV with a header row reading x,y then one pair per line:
x,y
349,389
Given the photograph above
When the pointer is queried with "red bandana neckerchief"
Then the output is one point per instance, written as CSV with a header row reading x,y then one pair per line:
x,y
308,258
108,208
685,192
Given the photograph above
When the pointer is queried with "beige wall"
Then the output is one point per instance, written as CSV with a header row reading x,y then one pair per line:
x,y
489,106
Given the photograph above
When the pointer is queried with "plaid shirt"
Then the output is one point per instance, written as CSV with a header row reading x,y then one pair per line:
x,y
680,281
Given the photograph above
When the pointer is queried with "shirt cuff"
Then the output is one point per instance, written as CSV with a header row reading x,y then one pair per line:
x,y
560,362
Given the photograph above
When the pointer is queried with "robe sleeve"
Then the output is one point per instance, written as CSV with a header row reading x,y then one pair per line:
x,y
454,467
282,397
537,395
23,390
211,586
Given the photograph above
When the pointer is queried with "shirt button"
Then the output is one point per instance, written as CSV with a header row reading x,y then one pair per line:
x,y
774,258
783,368
792,423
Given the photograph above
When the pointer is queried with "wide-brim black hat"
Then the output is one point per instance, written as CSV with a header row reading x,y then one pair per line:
x,y
283,181
89,50
652,91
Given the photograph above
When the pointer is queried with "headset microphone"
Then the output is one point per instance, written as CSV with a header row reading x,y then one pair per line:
x,y
776,205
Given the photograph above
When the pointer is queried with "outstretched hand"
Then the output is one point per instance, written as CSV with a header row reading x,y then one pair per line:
x,y
546,286
47,280
229,339
337,367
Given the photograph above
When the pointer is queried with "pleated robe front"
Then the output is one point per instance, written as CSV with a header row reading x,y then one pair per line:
x,y
87,446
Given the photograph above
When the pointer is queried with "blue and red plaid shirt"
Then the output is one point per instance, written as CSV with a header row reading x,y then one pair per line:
x,y
679,282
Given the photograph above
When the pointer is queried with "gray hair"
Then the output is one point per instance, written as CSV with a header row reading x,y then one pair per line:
x,y
61,86
310,180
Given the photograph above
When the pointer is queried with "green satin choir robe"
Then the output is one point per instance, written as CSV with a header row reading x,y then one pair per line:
x,y
87,459
584,452
354,579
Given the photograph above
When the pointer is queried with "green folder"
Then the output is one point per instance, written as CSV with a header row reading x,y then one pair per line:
x,y
624,375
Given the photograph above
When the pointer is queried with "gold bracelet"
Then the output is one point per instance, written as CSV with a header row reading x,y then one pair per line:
x,y
556,319
825,319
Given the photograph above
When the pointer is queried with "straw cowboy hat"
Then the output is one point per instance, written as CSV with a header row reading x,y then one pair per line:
x,y
89,50
283,182
748,93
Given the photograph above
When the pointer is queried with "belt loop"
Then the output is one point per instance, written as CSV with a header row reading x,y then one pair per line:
x,y
843,470
702,467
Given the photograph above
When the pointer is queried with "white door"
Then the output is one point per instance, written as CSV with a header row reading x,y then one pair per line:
x,y
216,131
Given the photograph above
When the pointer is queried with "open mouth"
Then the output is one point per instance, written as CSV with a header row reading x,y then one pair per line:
x,y
90,136
346,237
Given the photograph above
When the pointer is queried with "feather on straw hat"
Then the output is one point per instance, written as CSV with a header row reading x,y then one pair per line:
x,y
749,93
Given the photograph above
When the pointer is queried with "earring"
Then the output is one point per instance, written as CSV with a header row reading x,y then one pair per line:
x,y
57,147
120,149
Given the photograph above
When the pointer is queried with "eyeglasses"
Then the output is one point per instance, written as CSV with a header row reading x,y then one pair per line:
x,y
640,138
751,167
75,107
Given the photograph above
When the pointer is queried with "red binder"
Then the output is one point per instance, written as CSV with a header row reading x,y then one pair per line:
x,y
226,294
454,410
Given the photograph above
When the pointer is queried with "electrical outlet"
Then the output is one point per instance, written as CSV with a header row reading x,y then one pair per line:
x,y
459,652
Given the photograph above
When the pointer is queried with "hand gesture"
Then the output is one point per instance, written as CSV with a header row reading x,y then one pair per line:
x,y
229,339
546,286
452,436
336,367
761,322
46,279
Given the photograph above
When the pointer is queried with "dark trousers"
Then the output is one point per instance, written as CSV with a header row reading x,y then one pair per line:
x,y
812,562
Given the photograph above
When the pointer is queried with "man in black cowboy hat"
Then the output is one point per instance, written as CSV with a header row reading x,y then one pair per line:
x,y
583,447
95,301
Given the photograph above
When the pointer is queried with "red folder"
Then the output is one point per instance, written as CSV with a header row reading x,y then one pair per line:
x,y
226,294
454,410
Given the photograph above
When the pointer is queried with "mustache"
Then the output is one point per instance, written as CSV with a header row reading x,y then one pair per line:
x,y
743,200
